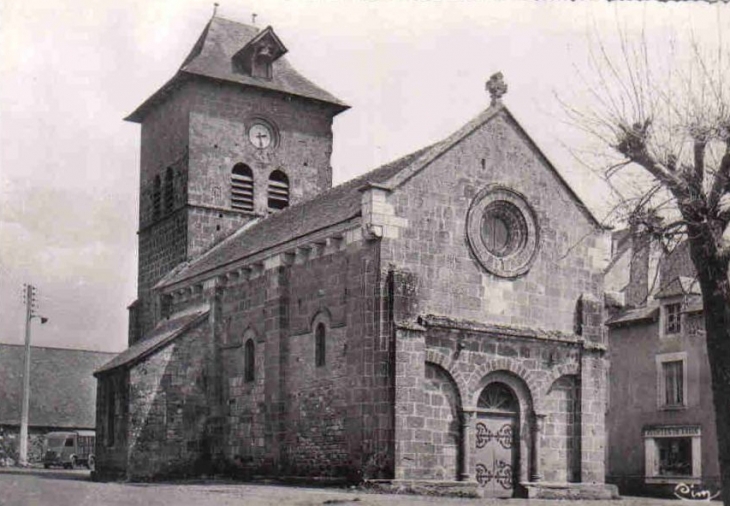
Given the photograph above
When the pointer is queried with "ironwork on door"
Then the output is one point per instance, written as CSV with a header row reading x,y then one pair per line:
x,y
496,440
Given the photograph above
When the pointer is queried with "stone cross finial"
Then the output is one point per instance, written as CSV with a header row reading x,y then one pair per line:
x,y
496,87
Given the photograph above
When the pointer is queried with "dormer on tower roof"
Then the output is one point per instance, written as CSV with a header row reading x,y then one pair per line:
x,y
229,51
256,57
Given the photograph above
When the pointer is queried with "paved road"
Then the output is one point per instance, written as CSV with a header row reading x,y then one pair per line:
x,y
40,487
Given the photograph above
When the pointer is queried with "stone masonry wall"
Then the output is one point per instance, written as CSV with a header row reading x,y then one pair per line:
x,y
168,410
201,132
327,420
539,370
248,436
162,238
162,246
219,123
432,244
441,409
561,453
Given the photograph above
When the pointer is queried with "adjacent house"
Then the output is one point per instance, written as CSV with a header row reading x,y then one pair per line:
x,y
62,393
661,420
437,319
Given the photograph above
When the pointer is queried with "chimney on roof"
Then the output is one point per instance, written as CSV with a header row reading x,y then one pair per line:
x,y
253,18
638,289
215,8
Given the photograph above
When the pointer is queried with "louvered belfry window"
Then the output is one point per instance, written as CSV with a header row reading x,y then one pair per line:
x,y
156,197
242,188
278,191
169,197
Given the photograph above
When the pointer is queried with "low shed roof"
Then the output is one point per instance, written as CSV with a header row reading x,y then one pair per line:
x,y
62,386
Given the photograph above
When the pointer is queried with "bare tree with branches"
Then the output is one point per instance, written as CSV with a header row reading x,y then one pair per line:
x,y
662,116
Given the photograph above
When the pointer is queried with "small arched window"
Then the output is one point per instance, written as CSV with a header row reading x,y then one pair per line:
x,y
249,361
278,191
320,342
156,197
169,190
242,187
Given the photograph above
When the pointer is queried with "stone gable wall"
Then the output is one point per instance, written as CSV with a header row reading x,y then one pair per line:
x,y
432,243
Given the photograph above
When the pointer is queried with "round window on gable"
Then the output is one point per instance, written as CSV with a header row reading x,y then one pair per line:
x,y
502,231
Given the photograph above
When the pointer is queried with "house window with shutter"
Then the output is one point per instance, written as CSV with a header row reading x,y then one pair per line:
x,y
242,192
278,191
672,380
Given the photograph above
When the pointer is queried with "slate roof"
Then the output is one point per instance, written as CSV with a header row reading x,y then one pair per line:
x,y
681,285
62,386
165,332
211,57
647,313
336,205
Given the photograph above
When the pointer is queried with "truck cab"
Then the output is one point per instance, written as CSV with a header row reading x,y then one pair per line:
x,y
69,449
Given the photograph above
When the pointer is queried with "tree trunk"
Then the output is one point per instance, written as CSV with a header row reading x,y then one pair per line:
x,y
712,273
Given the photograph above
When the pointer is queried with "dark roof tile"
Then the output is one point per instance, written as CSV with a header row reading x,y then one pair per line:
x,y
62,386
166,331
647,313
211,56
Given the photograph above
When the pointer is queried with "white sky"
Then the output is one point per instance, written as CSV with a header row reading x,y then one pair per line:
x,y
413,72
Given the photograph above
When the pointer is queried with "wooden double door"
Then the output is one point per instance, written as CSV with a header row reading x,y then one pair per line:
x,y
496,442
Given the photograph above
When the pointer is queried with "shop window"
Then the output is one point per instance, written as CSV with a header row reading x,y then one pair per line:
x,y
673,454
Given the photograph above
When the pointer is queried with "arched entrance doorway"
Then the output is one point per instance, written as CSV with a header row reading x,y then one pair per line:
x,y
496,439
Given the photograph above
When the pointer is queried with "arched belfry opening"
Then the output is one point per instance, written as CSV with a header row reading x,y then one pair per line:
x,y
278,191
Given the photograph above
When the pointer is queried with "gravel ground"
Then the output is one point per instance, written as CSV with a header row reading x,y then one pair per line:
x,y
39,487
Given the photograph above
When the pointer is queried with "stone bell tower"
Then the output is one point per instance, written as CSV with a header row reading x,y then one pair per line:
x,y
235,135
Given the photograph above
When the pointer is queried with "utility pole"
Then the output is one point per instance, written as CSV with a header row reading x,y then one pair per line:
x,y
30,312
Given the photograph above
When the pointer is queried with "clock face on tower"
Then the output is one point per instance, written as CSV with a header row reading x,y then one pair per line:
x,y
261,135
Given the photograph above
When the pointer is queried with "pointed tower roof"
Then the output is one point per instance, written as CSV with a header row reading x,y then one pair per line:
x,y
215,56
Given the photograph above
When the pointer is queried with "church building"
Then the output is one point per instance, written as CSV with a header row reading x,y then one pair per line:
x,y
438,319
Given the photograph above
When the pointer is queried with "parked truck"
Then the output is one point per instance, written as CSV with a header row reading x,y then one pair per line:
x,y
70,449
